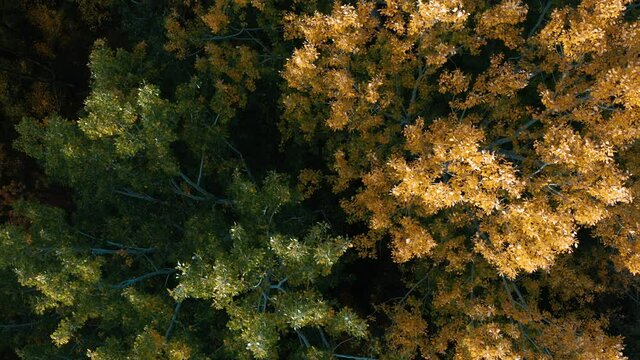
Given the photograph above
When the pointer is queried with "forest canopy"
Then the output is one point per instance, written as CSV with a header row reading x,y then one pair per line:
x,y
322,179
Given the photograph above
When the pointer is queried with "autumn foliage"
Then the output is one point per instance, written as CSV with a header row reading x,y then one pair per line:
x,y
432,179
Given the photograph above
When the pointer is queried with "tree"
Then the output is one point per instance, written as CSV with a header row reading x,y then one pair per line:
x,y
492,163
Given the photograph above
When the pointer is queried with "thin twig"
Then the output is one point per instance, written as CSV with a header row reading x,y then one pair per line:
x,y
414,91
244,163
540,18
539,170
413,288
127,283
341,356
200,170
341,343
130,193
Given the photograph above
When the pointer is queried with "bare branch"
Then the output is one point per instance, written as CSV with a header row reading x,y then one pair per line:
x,y
174,318
127,283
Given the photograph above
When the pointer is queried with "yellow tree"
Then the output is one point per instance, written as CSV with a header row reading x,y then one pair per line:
x,y
471,147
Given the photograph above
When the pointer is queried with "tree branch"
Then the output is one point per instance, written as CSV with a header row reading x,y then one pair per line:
x,y
174,318
303,338
341,356
132,194
127,283
540,18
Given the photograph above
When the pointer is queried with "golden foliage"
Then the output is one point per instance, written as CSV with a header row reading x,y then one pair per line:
x,y
367,77
499,22
408,332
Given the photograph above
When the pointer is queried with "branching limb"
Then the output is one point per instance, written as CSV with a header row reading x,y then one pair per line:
x,y
278,286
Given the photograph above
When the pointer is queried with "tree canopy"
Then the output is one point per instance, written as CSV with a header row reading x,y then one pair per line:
x,y
392,179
